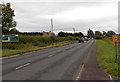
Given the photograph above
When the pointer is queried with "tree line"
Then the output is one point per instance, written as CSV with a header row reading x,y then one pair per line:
x,y
100,35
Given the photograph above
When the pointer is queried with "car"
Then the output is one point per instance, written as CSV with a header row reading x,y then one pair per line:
x,y
81,40
86,39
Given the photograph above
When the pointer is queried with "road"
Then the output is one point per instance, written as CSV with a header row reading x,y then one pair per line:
x,y
59,63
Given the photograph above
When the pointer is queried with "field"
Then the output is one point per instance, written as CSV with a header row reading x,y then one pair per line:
x,y
106,57
29,43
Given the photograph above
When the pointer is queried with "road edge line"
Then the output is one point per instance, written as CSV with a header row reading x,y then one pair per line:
x,y
110,77
78,76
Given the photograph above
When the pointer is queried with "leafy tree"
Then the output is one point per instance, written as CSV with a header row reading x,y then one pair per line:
x,y
90,33
70,34
80,34
61,34
7,18
104,33
0,14
14,31
98,35
110,33
64,34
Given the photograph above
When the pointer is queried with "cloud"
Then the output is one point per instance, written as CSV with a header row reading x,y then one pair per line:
x,y
85,13
35,16
60,0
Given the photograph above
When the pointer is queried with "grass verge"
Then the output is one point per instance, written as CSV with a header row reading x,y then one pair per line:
x,y
9,52
106,57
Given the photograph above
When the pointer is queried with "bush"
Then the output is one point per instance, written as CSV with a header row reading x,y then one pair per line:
x,y
98,37
35,40
13,45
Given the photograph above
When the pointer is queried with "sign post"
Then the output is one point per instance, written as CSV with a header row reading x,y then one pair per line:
x,y
116,39
116,52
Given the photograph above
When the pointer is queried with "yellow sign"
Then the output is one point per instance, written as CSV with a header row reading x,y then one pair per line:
x,y
116,38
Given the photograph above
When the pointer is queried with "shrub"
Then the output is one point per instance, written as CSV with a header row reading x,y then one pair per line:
x,y
35,40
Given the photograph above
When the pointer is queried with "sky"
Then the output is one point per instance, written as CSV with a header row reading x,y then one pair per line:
x,y
35,15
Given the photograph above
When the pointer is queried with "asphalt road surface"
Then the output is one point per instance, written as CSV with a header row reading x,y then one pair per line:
x,y
59,63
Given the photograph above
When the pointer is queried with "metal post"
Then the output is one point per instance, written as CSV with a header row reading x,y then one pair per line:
x,y
115,52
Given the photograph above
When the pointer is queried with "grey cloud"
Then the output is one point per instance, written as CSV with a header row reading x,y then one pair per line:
x,y
30,16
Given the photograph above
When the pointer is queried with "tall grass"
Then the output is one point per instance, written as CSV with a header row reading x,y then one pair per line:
x,y
106,57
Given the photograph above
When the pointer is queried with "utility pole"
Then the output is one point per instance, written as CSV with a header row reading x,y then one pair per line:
x,y
52,37
74,30
52,25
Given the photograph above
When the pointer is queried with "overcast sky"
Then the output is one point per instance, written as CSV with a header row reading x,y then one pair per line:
x,y
35,15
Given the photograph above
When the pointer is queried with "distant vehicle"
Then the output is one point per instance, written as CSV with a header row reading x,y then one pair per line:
x,y
86,39
81,40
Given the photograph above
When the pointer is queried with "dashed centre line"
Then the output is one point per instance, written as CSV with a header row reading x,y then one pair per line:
x,y
30,63
50,55
22,66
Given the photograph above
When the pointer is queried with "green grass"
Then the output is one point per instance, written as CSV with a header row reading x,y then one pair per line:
x,y
29,48
106,57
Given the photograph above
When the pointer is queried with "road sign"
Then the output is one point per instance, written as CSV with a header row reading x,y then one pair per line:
x,y
116,38
10,38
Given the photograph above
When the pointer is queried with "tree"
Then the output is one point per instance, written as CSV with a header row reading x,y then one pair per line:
x,y
14,31
110,33
104,33
7,18
90,33
61,34
70,34
98,35
80,34
0,14
0,17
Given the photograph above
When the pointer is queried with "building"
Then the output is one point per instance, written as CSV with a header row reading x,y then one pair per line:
x,y
48,34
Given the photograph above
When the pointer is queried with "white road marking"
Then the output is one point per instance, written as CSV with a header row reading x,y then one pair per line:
x,y
50,55
23,66
77,78
110,78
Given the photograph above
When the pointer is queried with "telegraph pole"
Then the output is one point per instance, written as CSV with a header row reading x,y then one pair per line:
x,y
52,25
74,30
52,37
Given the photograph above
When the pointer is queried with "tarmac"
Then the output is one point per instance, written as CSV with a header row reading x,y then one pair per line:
x,y
91,70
